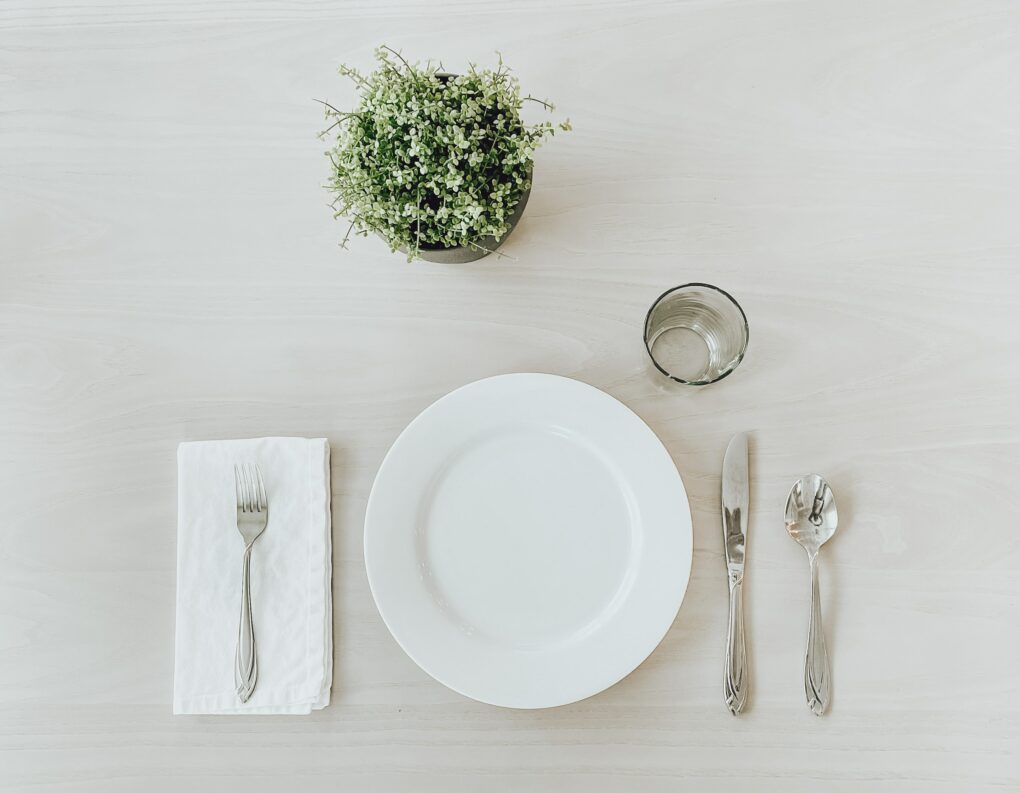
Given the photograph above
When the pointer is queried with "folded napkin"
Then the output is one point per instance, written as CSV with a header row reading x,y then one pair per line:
x,y
290,578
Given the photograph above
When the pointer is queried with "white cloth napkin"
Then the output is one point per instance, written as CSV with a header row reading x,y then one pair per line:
x,y
290,578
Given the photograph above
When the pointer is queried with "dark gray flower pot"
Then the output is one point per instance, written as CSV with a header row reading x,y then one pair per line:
x,y
480,249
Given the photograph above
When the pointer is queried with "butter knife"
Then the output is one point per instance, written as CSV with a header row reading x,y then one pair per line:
x,y
735,497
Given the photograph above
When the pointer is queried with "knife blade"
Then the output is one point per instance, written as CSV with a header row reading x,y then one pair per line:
x,y
735,499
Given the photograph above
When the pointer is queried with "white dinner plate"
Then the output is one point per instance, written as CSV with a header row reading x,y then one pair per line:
x,y
528,540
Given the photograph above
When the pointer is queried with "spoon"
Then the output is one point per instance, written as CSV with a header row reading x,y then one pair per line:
x,y
811,521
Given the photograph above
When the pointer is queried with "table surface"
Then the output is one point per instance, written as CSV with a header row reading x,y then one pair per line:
x,y
170,271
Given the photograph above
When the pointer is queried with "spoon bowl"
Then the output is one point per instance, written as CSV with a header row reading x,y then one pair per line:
x,y
811,516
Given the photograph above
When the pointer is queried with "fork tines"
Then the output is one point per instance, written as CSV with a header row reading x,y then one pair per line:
x,y
251,490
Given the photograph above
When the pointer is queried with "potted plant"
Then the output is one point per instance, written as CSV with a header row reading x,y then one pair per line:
x,y
439,165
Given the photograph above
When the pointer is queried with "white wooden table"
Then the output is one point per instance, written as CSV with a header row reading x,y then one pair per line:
x,y
849,171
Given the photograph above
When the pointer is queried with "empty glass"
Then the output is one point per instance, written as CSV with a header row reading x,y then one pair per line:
x,y
696,334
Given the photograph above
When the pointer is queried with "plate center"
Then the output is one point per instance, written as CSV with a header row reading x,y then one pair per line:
x,y
527,538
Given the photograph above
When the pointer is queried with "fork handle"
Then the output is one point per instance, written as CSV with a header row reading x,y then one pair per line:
x,y
245,663
817,678
736,682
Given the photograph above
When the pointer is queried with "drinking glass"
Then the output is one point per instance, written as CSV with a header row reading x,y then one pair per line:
x,y
696,334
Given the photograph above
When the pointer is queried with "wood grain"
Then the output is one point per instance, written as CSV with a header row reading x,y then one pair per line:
x,y
169,271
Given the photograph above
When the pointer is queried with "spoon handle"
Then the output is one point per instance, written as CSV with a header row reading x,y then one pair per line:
x,y
816,665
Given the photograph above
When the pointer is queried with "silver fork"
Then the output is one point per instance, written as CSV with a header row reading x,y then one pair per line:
x,y
252,516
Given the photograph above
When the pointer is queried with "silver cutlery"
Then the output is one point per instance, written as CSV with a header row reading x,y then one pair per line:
x,y
735,498
252,516
811,520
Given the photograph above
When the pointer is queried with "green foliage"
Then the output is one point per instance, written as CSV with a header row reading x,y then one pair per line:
x,y
429,160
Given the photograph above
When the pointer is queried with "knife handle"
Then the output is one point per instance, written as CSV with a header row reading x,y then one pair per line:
x,y
736,649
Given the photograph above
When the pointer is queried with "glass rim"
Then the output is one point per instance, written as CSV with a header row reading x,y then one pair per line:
x,y
736,360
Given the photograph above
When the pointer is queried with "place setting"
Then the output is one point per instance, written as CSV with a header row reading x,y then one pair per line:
x,y
528,539
528,542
